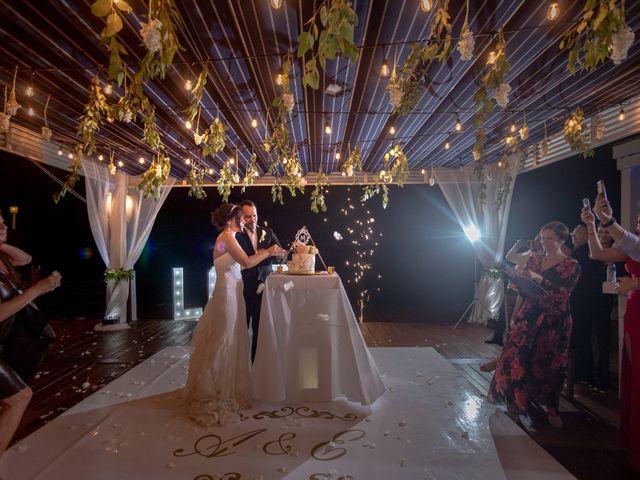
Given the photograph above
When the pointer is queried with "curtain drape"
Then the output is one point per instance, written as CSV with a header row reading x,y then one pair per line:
x,y
463,190
121,221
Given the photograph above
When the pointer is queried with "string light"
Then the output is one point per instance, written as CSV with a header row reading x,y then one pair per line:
x,y
513,128
210,171
447,146
279,79
31,112
101,157
188,85
392,130
327,128
120,163
70,156
337,155
187,161
621,113
141,160
426,5
422,171
29,91
275,3
384,69
254,122
60,152
458,126
188,125
108,89
553,11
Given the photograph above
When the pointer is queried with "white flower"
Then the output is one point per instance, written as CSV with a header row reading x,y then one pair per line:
x,y
524,132
5,122
465,45
151,36
127,116
12,107
287,98
621,41
46,134
395,94
350,170
502,95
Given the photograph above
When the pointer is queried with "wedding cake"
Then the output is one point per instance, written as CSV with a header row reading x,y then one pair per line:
x,y
303,260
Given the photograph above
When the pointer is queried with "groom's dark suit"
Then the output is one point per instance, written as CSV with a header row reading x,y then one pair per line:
x,y
253,277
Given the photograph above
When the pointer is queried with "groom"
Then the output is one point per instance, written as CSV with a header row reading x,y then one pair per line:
x,y
251,239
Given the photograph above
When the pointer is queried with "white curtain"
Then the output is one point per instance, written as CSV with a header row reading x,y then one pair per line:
x,y
462,190
121,221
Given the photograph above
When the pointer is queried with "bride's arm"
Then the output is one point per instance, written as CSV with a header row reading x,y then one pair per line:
x,y
238,254
18,257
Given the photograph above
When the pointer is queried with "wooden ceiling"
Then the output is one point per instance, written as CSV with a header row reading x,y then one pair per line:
x,y
56,46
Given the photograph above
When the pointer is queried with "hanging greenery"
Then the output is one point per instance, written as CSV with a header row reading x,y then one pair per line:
x,y
198,92
576,133
151,135
73,176
353,163
337,21
160,37
11,106
276,193
317,194
214,139
396,166
96,111
478,175
226,181
108,37
505,183
599,33
251,173
293,179
195,177
407,88
370,191
46,131
155,177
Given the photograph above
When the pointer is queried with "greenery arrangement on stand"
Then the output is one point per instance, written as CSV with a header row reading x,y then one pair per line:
x,y
338,21
600,33
317,194
576,133
117,275
155,177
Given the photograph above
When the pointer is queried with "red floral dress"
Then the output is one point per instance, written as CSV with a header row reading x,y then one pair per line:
x,y
534,359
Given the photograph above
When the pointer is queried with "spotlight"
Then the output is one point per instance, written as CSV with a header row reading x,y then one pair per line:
x,y
384,69
472,233
553,11
108,89
426,5
621,113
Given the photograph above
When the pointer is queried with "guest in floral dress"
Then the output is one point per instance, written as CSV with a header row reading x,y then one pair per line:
x,y
533,363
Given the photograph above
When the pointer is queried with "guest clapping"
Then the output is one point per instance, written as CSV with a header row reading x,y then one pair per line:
x,y
14,392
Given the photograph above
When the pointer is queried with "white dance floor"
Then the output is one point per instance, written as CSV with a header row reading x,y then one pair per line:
x,y
430,424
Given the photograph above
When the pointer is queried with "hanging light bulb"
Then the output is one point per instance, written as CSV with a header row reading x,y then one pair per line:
x,y
621,113
337,155
232,161
422,171
70,156
553,11
458,126
254,122
188,125
275,3
141,160
187,161
432,180
188,85
384,69
426,5
499,163
210,171
327,128
279,79
120,163
447,146
392,130
60,152
31,112
29,91
101,157
513,128
108,89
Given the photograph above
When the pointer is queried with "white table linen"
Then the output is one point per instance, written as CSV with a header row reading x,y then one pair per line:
x,y
310,347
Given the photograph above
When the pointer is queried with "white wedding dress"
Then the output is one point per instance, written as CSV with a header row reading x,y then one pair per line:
x,y
218,384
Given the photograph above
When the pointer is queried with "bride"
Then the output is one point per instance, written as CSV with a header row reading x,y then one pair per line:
x,y
218,381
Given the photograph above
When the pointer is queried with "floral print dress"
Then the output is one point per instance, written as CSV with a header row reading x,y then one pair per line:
x,y
533,363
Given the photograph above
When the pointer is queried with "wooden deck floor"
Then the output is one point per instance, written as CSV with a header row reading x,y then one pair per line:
x,y
587,446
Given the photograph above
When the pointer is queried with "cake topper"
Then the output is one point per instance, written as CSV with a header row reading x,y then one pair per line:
x,y
303,237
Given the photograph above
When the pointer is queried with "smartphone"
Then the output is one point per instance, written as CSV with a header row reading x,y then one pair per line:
x,y
601,190
586,203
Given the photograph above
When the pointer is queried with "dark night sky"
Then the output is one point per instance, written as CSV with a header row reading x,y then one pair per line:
x,y
425,262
